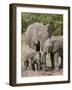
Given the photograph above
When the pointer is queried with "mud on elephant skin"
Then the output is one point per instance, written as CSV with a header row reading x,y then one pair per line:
x,y
54,46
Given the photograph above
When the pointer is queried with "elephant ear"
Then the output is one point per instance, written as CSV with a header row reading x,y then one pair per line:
x,y
56,46
49,30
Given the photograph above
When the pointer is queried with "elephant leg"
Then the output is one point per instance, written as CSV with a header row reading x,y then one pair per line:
x,y
39,61
30,64
35,66
61,64
25,65
44,63
56,56
38,66
52,60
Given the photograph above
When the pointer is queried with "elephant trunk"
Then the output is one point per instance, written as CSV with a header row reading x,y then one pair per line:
x,y
43,57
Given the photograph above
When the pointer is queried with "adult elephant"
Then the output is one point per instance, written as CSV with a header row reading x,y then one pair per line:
x,y
54,45
36,35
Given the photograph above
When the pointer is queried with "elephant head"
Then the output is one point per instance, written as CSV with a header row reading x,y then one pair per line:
x,y
52,44
37,32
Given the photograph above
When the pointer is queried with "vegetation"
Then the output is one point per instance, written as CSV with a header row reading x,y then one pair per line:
x,y
55,20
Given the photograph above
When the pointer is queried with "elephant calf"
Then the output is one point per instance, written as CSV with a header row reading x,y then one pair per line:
x,y
31,59
27,55
54,45
36,61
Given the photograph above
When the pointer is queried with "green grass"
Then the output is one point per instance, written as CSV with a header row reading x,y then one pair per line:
x,y
48,61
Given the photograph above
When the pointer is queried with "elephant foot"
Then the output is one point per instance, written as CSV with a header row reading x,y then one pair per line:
x,y
61,67
36,67
26,68
29,68
43,68
51,69
55,70
46,68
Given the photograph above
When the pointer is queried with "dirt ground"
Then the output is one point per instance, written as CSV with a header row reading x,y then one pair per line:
x,y
31,73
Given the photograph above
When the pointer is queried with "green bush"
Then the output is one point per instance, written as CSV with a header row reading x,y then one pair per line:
x,y
55,20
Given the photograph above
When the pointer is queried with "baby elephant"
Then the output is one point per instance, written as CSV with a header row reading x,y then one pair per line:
x,y
54,45
36,61
30,59
27,55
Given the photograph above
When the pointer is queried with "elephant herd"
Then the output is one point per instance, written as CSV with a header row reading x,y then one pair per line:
x,y
41,42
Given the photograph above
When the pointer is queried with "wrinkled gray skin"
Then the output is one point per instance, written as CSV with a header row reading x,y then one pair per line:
x,y
54,45
37,32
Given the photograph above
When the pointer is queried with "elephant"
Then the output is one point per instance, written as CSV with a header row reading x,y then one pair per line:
x,y
30,59
27,55
54,46
36,61
36,35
